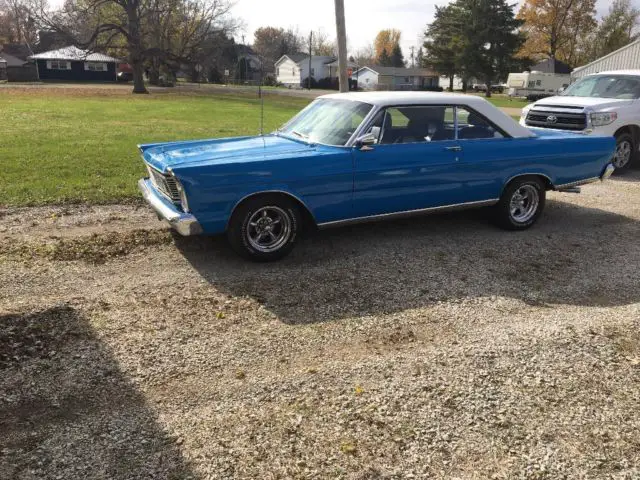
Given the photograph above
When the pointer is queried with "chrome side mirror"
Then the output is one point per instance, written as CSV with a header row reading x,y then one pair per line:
x,y
370,138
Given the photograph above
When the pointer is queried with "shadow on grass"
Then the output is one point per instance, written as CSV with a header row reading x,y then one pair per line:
x,y
66,409
574,255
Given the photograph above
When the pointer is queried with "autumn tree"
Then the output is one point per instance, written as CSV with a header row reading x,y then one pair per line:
x,y
271,43
385,41
555,28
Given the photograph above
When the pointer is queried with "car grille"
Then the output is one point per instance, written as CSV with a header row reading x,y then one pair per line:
x,y
563,120
165,184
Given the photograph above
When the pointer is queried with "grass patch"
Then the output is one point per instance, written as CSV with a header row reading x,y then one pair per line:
x,y
70,145
504,101
79,145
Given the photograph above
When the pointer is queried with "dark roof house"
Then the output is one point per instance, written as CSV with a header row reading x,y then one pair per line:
x,y
551,65
16,66
73,64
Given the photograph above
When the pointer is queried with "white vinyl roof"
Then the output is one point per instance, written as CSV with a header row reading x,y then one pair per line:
x,y
477,103
73,53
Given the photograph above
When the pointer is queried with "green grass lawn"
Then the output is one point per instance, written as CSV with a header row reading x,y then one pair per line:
x,y
504,101
80,146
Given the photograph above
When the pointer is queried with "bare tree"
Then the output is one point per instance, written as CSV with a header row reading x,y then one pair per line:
x,y
16,23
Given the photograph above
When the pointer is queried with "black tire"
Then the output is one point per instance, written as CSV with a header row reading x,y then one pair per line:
x,y
532,204
244,235
624,141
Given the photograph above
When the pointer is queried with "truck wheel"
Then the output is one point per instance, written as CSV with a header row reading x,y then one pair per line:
x,y
625,151
264,228
521,204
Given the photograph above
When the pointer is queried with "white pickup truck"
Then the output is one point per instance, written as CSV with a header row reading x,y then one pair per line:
x,y
604,104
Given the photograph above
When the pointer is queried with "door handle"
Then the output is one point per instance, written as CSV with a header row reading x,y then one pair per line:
x,y
457,148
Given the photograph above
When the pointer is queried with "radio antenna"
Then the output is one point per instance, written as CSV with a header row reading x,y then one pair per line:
x,y
261,99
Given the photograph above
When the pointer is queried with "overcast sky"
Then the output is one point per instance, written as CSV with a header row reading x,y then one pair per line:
x,y
364,18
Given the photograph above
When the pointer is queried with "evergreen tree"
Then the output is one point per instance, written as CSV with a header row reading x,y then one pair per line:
x,y
384,60
397,58
445,41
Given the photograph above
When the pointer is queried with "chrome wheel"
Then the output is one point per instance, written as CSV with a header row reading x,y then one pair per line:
x,y
524,203
623,154
268,229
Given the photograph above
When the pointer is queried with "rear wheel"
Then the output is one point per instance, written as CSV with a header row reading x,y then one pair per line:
x,y
521,204
625,151
264,228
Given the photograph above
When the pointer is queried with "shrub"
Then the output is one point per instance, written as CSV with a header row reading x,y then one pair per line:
x,y
305,83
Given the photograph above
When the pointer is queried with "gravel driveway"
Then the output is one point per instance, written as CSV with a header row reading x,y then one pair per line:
x,y
437,347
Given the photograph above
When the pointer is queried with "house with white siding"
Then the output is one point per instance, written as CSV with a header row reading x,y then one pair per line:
x,y
625,58
293,69
396,78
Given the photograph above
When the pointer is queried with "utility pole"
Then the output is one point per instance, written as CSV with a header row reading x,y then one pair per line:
x,y
310,45
341,32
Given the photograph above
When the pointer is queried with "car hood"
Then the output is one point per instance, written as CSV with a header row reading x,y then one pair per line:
x,y
568,101
162,156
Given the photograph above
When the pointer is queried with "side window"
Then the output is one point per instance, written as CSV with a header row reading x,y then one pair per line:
x,y
472,126
417,124
538,83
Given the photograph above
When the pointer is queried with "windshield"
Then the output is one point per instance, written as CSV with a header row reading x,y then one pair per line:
x,y
328,121
624,87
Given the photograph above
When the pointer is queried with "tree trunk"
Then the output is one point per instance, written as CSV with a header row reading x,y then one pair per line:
x,y
488,92
451,83
135,48
138,79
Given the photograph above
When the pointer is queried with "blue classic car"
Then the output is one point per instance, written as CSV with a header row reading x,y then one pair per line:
x,y
364,156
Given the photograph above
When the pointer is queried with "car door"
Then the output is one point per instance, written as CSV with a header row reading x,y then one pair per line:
x,y
412,164
488,156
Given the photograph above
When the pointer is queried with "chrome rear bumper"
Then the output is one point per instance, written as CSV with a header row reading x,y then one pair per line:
x,y
184,223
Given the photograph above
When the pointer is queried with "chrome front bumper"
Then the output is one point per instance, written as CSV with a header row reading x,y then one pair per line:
x,y
184,223
608,171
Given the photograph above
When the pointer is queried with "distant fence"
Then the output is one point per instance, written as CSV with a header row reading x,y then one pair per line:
x,y
27,73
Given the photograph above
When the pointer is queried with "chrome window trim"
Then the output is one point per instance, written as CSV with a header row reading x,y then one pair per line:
x,y
410,213
366,123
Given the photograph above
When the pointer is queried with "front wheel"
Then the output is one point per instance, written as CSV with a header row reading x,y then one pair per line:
x,y
521,204
264,228
625,151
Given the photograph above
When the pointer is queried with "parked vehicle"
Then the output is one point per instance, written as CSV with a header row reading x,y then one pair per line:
x,y
356,157
124,76
605,103
536,85
482,87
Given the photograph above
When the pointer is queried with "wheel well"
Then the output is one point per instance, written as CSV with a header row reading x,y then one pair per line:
x,y
308,220
546,181
634,130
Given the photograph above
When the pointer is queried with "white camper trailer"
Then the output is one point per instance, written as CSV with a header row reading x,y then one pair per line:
x,y
535,85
